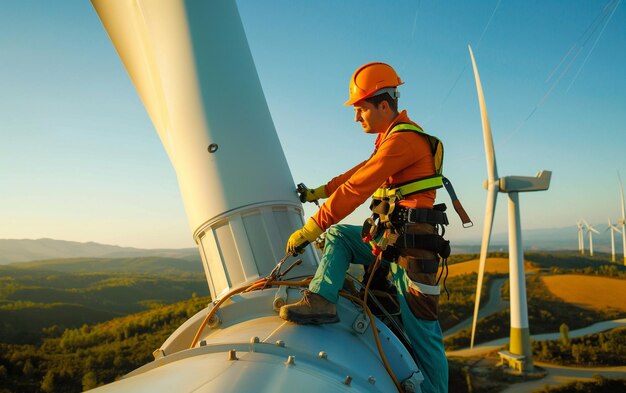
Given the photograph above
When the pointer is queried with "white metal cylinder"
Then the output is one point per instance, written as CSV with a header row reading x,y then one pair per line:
x,y
193,69
520,332
624,242
612,244
519,309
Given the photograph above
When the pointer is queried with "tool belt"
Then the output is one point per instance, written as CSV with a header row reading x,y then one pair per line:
x,y
399,233
426,240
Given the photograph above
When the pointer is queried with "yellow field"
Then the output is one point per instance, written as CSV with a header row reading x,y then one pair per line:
x,y
493,265
588,291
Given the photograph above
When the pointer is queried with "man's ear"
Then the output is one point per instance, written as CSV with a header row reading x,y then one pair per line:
x,y
383,105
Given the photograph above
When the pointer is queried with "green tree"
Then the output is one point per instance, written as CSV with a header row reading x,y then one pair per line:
x,y
564,330
48,384
28,369
89,381
577,353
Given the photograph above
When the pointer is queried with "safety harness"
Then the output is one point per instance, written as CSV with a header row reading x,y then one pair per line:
x,y
400,191
392,219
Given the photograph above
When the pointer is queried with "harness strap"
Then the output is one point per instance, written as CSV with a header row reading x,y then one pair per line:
x,y
424,184
467,222
404,215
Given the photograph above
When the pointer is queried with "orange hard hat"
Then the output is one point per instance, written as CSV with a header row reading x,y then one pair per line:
x,y
368,79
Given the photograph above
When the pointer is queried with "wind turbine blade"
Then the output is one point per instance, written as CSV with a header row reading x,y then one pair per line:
x,y
492,171
594,230
492,196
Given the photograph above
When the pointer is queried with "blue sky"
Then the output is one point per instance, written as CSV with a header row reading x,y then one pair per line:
x,y
80,160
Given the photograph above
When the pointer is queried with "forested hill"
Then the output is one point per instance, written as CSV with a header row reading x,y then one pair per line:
x,y
149,265
45,297
91,355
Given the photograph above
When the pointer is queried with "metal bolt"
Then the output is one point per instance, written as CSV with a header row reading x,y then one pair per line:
x,y
348,380
203,343
214,321
371,380
322,355
280,343
254,340
232,355
278,303
291,360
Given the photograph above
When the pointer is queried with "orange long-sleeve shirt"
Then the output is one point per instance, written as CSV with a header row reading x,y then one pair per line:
x,y
397,158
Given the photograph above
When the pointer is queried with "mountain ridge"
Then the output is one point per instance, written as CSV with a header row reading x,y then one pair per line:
x,y
25,250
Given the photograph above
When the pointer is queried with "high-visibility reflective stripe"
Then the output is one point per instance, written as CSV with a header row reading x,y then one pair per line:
x,y
410,188
405,126
425,289
381,193
420,185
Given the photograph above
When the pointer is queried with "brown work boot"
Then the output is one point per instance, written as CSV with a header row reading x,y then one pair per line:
x,y
311,309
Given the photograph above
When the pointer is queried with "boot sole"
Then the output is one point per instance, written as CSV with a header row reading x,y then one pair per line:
x,y
312,319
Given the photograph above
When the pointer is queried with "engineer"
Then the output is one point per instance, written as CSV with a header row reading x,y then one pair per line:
x,y
403,156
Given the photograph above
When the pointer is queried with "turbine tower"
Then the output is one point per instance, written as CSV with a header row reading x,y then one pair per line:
x,y
581,239
622,221
590,229
512,185
613,229
169,49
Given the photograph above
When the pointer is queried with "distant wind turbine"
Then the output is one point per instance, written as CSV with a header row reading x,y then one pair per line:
x,y
513,185
622,221
613,229
590,229
581,239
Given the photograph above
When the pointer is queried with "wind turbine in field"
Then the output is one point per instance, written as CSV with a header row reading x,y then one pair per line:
x,y
613,229
590,229
512,185
622,221
581,239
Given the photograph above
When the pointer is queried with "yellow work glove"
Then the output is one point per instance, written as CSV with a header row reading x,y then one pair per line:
x,y
302,237
312,195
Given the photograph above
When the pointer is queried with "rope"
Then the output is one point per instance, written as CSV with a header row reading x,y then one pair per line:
x,y
261,284
255,285
376,338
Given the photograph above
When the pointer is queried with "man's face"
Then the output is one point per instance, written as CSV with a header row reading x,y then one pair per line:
x,y
370,117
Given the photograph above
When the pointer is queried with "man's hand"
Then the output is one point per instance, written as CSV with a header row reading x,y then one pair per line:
x,y
312,195
302,237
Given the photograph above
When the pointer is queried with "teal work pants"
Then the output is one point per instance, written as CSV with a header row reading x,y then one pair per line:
x,y
343,247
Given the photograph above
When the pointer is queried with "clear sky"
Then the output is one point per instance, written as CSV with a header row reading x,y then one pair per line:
x,y
80,160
